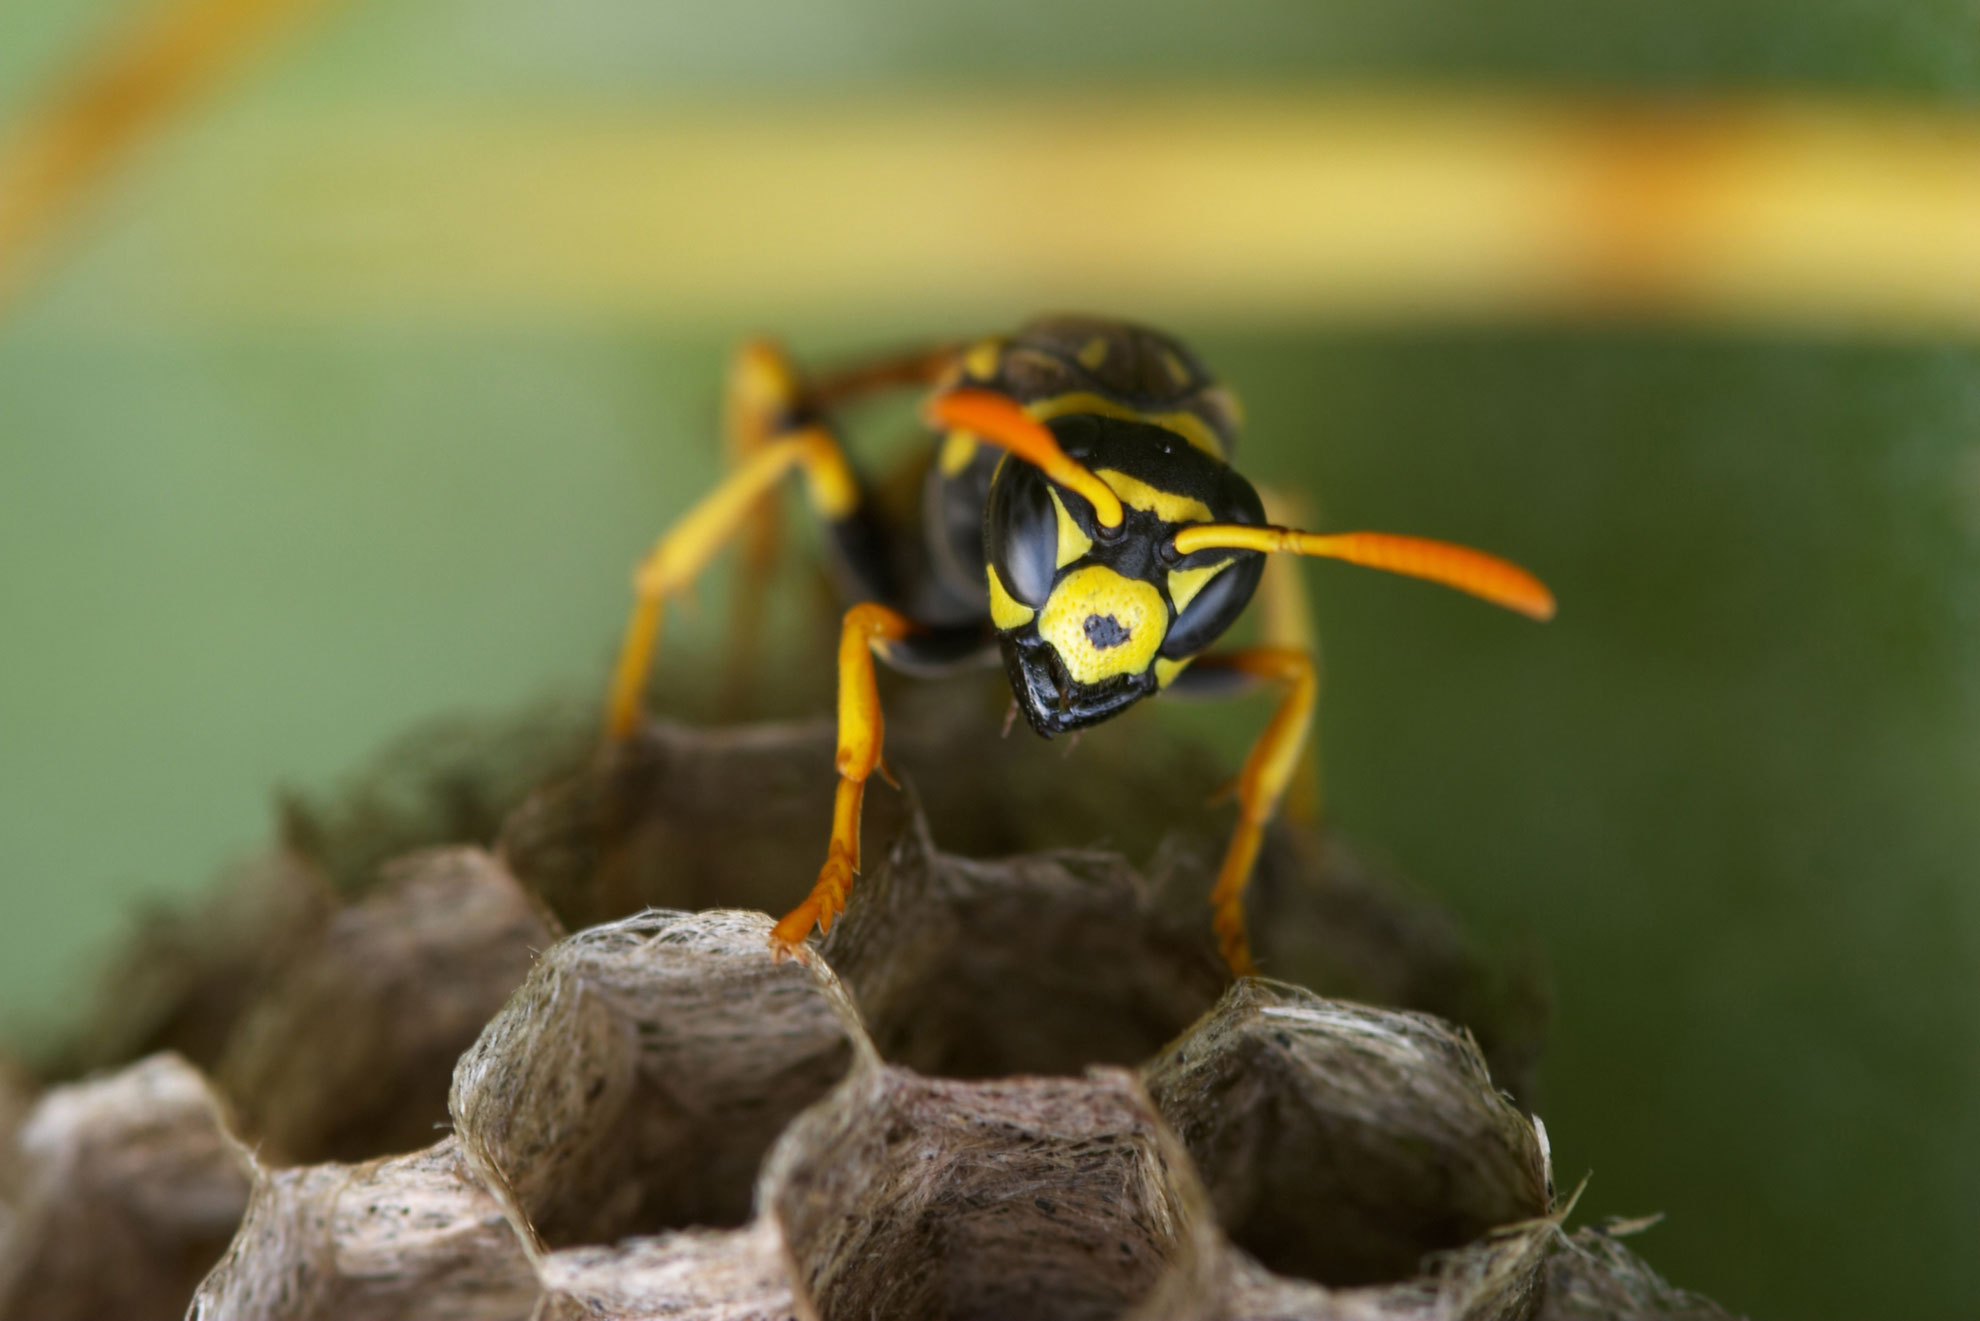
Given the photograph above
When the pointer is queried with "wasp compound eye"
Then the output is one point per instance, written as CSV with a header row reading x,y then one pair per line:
x,y
1212,605
1021,532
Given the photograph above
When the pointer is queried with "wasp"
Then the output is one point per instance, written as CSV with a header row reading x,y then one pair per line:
x,y
1080,515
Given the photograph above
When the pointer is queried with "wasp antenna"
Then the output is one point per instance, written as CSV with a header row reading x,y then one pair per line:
x,y
998,420
1487,577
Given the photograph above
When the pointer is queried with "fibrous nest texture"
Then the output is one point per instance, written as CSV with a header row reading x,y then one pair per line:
x,y
1020,1088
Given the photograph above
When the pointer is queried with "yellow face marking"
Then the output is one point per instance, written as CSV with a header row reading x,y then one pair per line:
x,y
1165,505
1006,611
981,361
958,452
1093,353
1187,425
1166,670
1184,584
1128,619
1073,543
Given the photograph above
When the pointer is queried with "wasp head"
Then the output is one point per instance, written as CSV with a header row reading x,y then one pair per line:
x,y
1093,618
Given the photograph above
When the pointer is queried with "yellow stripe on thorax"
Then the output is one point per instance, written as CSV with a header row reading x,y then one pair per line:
x,y
983,358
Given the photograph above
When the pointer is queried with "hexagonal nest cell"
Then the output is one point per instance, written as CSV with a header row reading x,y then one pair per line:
x,y
1009,1083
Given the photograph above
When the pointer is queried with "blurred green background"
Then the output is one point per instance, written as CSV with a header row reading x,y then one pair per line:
x,y
1729,796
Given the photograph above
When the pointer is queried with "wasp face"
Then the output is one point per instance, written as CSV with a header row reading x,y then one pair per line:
x,y
1092,619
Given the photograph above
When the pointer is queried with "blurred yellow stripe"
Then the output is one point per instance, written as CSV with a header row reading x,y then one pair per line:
x,y
1402,207
147,71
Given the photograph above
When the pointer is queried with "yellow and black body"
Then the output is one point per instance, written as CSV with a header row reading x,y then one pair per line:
x,y
1080,514
1091,617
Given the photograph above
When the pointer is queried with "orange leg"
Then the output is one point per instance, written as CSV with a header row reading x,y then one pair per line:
x,y
1286,621
1270,768
679,556
761,394
868,629
827,390
763,398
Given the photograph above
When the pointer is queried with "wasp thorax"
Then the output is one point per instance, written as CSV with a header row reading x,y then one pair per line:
x,y
1103,624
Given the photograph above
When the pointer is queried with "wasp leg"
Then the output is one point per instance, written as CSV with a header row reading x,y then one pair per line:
x,y
1267,772
1286,620
681,554
765,397
920,367
868,628
774,421
759,401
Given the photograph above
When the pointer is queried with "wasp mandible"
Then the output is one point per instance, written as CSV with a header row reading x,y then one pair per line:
x,y
1080,514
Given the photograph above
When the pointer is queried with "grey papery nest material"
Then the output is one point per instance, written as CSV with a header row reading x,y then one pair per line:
x,y
1013,1089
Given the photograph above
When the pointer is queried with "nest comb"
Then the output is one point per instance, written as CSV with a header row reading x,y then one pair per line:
x,y
1016,1088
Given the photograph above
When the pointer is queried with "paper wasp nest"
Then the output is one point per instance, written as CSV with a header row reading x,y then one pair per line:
x,y
999,1089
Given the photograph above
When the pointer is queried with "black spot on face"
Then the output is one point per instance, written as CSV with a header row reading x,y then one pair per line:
x,y
1105,631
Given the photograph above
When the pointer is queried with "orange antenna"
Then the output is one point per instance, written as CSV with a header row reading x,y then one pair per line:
x,y
998,420
1485,576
